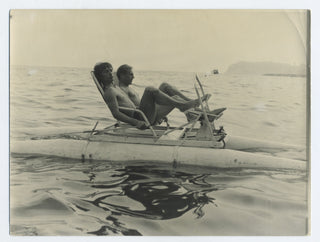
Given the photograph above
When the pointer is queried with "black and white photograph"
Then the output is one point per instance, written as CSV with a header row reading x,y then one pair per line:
x,y
159,122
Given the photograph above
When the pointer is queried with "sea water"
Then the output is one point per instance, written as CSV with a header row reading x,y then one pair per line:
x,y
57,196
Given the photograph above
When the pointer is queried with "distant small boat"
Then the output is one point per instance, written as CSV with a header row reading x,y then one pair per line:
x,y
215,72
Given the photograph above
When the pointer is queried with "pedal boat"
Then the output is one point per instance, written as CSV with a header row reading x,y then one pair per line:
x,y
197,142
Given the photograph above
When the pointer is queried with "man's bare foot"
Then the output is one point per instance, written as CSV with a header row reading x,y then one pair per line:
x,y
188,105
193,103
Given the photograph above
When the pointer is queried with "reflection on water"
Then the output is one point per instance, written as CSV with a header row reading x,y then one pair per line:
x,y
54,196
161,199
157,193
58,192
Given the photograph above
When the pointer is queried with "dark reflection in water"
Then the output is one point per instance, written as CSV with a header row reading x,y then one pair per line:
x,y
164,194
115,227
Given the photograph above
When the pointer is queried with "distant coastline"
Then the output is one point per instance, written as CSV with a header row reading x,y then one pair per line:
x,y
287,75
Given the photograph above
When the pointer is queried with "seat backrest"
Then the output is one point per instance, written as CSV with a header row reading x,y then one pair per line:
x,y
97,84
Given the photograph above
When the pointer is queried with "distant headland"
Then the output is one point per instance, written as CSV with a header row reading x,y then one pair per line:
x,y
267,68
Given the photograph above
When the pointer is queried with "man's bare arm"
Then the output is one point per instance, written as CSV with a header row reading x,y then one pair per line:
x,y
134,96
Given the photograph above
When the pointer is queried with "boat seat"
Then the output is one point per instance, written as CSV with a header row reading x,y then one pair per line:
x,y
123,108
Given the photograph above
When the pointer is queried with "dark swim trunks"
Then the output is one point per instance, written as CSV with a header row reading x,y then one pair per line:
x,y
138,116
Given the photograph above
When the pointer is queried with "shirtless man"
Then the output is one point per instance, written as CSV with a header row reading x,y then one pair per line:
x,y
155,111
115,97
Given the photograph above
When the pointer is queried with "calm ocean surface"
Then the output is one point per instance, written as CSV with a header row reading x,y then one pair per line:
x,y
55,196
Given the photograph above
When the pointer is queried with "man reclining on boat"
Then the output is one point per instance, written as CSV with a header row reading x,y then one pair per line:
x,y
155,103
125,77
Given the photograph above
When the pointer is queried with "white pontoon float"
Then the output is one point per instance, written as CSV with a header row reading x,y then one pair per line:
x,y
197,142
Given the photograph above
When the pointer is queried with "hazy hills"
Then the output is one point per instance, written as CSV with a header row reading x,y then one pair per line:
x,y
266,68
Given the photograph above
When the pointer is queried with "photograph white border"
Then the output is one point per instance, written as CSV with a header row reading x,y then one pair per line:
x,y
6,5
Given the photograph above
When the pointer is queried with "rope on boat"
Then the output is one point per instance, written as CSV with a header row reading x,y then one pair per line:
x,y
83,155
185,133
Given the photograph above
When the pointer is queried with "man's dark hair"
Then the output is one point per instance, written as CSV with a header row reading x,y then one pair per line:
x,y
124,69
99,68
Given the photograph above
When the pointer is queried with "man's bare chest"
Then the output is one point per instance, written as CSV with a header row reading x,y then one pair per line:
x,y
122,95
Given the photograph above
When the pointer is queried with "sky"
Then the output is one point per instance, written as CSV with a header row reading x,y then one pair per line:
x,y
171,40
